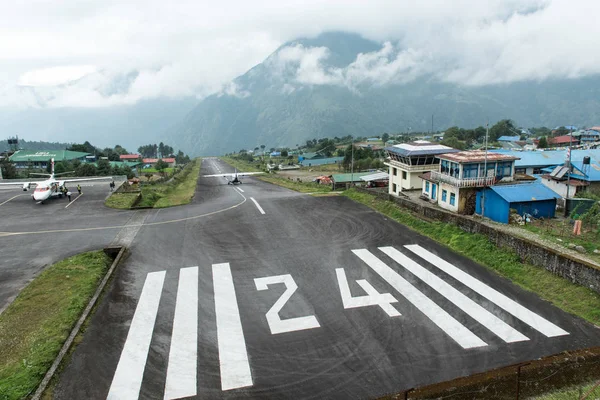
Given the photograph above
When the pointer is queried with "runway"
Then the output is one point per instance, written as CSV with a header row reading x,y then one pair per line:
x,y
256,291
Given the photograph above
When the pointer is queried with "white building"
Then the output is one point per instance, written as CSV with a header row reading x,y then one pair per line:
x,y
407,161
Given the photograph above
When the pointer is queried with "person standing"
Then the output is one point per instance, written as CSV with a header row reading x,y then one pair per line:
x,y
79,189
69,196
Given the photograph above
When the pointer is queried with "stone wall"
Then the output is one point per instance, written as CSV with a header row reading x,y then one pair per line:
x,y
571,268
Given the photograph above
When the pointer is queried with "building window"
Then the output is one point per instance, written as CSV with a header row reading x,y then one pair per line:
x,y
426,186
520,170
452,199
404,175
537,171
394,187
444,194
394,172
470,170
504,169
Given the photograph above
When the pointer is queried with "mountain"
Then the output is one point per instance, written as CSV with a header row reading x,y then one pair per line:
x,y
326,87
127,125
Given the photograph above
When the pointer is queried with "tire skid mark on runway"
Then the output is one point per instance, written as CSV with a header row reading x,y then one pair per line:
x,y
98,228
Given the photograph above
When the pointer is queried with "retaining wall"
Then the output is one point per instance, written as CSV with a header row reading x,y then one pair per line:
x,y
564,265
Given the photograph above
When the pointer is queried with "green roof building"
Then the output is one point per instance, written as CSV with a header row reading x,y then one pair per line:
x,y
39,158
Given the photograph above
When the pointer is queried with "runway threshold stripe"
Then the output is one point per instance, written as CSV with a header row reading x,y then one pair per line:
x,y
257,205
532,319
435,313
478,313
183,355
233,356
128,377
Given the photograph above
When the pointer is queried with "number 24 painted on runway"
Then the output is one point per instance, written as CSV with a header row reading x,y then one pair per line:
x,y
278,325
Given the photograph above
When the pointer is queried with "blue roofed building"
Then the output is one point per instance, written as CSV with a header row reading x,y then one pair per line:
x,y
509,138
535,199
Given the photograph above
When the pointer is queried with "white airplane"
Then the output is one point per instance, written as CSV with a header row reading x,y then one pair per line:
x,y
233,177
50,187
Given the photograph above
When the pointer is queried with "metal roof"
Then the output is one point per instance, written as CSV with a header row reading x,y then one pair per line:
x,y
477,156
419,148
525,192
341,178
376,176
509,138
45,155
557,157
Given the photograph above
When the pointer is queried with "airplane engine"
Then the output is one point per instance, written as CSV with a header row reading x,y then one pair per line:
x,y
25,187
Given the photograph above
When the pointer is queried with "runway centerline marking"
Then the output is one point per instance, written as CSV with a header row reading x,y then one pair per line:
x,y
127,380
74,200
529,317
233,356
99,228
257,205
241,191
183,355
14,197
458,332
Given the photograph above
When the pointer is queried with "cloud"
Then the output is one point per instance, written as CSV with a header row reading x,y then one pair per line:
x,y
97,53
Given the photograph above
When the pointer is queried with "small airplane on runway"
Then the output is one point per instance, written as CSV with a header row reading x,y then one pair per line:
x,y
50,187
233,177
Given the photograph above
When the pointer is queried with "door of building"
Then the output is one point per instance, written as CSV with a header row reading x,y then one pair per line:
x,y
433,189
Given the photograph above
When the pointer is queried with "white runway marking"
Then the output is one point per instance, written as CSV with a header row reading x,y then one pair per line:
x,y
435,313
373,297
183,355
240,189
276,324
529,317
233,356
74,200
478,313
14,197
257,205
128,376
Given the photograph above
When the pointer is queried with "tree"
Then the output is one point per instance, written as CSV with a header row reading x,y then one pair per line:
x,y
103,167
385,137
543,143
561,131
504,127
86,169
86,147
8,169
161,149
262,147
284,153
453,142
161,165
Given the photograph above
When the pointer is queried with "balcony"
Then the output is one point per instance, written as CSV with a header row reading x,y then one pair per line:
x,y
411,168
463,183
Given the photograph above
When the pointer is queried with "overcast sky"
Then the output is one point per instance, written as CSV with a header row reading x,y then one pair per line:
x,y
91,53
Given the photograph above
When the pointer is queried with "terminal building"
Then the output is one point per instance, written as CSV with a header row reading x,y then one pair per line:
x,y
39,159
408,161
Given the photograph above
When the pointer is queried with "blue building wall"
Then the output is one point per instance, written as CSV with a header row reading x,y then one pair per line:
x,y
497,209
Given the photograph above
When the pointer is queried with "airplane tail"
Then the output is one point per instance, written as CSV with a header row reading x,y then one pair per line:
x,y
52,166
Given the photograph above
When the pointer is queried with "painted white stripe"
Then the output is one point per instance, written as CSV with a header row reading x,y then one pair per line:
x,y
478,313
128,377
183,356
257,205
435,313
240,189
14,197
74,200
233,357
529,317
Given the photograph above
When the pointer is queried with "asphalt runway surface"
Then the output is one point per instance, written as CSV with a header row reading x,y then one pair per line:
x,y
256,291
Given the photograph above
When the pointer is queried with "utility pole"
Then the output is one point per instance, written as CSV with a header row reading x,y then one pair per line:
x,y
431,124
487,130
352,167
569,166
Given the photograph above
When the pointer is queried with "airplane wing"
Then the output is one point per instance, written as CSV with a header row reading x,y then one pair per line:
x,y
232,174
21,183
63,181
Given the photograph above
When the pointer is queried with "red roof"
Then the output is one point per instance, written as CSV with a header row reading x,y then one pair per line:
x,y
169,160
129,156
562,140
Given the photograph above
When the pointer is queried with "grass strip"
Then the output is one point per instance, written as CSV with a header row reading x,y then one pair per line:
x,y
592,390
568,296
303,187
121,200
35,326
181,189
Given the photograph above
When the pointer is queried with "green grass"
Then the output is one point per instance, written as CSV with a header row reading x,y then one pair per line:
x,y
568,296
574,393
304,187
169,170
121,200
35,326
